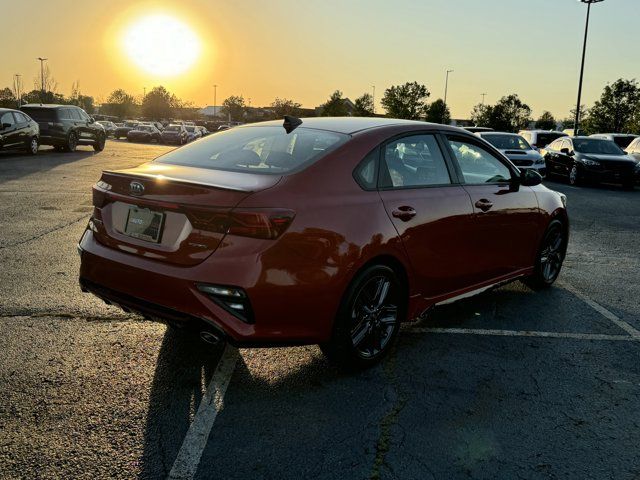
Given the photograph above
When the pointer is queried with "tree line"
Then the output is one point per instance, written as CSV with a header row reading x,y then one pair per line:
x,y
617,110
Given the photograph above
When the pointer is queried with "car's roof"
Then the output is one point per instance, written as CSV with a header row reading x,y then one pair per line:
x,y
2,109
47,105
350,125
613,135
498,133
543,131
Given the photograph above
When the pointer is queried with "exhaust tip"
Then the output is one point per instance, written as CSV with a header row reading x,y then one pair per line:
x,y
209,337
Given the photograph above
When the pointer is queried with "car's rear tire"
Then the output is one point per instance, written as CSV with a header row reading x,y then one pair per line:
x,y
368,319
98,145
72,142
33,145
550,256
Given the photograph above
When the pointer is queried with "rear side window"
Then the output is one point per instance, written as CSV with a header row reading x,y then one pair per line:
x,y
265,150
366,172
41,114
413,161
478,166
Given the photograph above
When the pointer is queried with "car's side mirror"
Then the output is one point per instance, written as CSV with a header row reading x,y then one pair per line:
x,y
5,126
92,120
566,151
530,178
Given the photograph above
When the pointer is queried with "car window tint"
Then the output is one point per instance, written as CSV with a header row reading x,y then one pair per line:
x,y
477,164
365,173
414,161
20,118
7,117
75,114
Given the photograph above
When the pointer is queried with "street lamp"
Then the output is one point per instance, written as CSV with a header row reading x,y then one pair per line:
x,y
576,124
42,60
373,98
215,94
446,86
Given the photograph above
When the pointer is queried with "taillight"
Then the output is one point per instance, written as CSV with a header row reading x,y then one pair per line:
x,y
267,223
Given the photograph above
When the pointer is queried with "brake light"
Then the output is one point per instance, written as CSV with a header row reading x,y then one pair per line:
x,y
267,223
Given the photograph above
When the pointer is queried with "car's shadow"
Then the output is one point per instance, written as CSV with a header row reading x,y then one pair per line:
x,y
17,165
184,368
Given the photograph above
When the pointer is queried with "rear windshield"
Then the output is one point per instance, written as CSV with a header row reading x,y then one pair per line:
x,y
190,129
40,114
130,124
545,139
596,146
172,128
268,150
506,142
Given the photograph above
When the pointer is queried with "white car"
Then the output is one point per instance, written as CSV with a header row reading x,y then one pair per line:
x,y
194,133
516,149
623,140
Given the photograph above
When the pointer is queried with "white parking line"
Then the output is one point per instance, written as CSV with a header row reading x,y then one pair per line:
x,y
603,311
186,463
520,333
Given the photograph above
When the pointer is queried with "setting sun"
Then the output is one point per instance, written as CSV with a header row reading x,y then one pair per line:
x,y
161,45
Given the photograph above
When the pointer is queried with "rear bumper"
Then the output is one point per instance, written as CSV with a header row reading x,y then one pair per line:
x,y
284,315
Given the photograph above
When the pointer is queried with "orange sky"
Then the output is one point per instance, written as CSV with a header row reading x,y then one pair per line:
x,y
306,49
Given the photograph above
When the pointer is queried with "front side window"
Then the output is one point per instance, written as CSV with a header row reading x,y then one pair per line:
x,y
413,161
266,150
478,165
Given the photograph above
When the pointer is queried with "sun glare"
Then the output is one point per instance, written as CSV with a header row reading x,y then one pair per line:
x,y
161,45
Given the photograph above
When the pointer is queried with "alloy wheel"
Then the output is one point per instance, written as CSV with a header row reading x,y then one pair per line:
x,y
374,316
573,175
33,146
551,255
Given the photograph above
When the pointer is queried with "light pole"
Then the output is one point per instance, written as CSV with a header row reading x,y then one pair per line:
x,y
446,86
576,124
373,97
483,95
215,99
17,88
42,60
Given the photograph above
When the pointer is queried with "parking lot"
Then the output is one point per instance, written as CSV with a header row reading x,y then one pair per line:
x,y
509,384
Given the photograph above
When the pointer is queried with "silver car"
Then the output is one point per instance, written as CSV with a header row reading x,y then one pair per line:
x,y
516,149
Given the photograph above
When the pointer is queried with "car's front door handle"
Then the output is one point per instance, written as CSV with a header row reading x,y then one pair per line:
x,y
484,204
404,213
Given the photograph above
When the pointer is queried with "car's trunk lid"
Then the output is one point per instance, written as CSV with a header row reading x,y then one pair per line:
x,y
184,207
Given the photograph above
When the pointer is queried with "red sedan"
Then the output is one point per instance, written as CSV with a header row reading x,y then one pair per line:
x,y
321,230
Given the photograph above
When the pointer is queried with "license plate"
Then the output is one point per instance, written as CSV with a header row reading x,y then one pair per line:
x,y
144,224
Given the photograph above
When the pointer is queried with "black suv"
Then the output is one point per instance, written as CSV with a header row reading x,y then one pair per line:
x,y
18,131
66,126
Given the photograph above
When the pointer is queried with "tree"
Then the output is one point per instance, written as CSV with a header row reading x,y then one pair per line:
x,y
406,101
364,106
285,106
119,104
234,107
46,79
7,98
546,121
77,98
335,106
570,121
480,115
159,104
617,109
438,112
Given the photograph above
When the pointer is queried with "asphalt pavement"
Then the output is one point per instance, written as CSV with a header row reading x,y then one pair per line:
x,y
509,384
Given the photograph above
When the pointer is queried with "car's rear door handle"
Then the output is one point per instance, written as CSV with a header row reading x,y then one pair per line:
x,y
404,213
484,204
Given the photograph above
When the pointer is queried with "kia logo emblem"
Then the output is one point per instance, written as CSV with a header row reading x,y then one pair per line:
x,y
136,188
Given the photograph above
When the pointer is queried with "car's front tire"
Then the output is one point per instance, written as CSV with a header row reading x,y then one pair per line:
x,y
575,176
368,319
550,256
98,145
